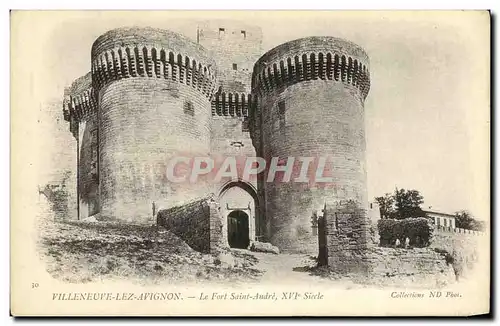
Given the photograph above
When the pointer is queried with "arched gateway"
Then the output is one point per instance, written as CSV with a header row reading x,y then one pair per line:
x,y
239,206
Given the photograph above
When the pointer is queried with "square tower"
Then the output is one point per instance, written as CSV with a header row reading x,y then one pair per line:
x,y
236,47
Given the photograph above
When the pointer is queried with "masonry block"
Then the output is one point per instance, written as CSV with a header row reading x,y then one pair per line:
x,y
198,223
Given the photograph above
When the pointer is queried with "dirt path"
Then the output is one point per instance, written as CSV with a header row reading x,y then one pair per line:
x,y
286,268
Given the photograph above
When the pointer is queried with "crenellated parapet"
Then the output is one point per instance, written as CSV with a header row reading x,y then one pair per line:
x,y
312,58
80,106
153,53
231,104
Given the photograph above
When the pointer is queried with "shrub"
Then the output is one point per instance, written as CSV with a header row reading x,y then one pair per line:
x,y
417,230
386,231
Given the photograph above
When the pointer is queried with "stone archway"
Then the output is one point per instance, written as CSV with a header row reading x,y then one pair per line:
x,y
238,229
239,196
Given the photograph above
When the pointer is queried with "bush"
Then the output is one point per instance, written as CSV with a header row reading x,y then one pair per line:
x,y
417,230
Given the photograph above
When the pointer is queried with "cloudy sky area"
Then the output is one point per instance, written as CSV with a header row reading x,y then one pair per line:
x,y
427,113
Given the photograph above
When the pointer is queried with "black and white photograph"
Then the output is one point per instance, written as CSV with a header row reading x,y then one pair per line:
x,y
263,163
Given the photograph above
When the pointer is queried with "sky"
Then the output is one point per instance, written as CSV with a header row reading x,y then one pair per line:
x,y
427,112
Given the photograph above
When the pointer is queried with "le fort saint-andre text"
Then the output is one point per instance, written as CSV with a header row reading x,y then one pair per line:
x,y
272,296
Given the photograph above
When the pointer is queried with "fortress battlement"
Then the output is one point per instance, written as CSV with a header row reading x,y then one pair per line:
x,y
80,106
79,102
154,53
232,104
312,58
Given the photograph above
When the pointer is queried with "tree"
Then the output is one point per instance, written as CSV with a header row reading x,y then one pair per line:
x,y
408,203
402,204
465,220
386,205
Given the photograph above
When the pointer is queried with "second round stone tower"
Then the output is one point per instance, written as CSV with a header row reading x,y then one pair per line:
x,y
153,90
311,95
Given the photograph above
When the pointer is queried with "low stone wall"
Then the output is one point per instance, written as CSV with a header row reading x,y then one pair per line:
x,y
198,223
449,229
416,267
348,245
464,250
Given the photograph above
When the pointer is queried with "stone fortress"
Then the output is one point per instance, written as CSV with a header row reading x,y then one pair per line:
x,y
153,94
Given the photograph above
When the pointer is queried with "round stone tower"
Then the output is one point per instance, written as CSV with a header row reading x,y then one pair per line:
x,y
311,94
153,89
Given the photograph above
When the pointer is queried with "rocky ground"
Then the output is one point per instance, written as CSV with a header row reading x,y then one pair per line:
x,y
80,252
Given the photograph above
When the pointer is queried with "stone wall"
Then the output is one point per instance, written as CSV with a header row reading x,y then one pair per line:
x,y
198,223
60,195
230,138
88,176
80,109
347,247
56,161
417,267
465,250
449,229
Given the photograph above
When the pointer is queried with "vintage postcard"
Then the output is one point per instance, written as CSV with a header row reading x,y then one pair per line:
x,y
250,163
